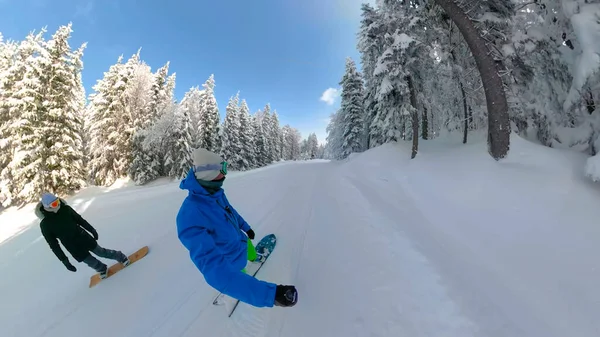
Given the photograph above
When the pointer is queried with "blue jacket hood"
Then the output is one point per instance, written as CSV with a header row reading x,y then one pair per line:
x,y
191,184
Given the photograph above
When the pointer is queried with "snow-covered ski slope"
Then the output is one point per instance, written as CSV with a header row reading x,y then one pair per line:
x,y
449,244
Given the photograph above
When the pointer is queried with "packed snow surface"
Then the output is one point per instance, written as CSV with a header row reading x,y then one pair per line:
x,y
451,243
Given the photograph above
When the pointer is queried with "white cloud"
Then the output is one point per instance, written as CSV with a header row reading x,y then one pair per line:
x,y
329,96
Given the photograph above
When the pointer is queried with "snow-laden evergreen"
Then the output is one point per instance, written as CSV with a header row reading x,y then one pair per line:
x,y
275,137
192,105
247,160
352,110
231,147
42,122
261,143
208,125
64,102
178,155
24,174
291,143
109,144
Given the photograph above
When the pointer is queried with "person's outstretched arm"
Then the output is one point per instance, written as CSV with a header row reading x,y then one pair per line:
x,y
220,275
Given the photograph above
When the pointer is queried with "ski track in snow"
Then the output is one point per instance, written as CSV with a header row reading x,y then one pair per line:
x,y
370,255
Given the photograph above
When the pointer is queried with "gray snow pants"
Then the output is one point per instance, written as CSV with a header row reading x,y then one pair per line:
x,y
98,266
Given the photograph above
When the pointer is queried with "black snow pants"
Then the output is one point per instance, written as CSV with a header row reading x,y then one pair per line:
x,y
98,266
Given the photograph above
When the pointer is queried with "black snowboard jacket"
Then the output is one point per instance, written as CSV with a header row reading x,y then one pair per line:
x,y
67,226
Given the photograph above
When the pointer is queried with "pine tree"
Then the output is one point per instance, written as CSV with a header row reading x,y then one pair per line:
x,y
11,54
161,94
63,125
276,137
209,118
144,165
370,45
352,109
192,105
110,143
231,150
179,153
335,136
23,176
246,138
312,146
261,142
268,133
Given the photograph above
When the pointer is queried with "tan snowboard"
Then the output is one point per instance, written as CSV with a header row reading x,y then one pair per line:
x,y
115,268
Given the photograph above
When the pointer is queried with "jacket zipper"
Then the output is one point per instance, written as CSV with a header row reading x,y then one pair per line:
x,y
228,217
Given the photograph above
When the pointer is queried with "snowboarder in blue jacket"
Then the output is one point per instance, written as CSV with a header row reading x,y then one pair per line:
x,y
216,236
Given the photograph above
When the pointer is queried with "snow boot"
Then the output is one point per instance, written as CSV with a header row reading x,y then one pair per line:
x,y
286,296
103,272
260,258
126,262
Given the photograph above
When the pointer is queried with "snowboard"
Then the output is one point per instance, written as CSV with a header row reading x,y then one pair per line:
x,y
264,247
115,268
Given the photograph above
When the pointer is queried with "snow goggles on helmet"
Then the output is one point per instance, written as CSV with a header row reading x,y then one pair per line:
x,y
222,167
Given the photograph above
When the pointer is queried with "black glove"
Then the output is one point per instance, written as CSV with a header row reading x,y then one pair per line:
x,y
250,233
69,265
286,296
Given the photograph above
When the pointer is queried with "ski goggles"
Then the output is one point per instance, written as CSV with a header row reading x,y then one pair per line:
x,y
222,167
54,204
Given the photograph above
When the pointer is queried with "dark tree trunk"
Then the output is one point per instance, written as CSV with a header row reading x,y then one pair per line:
x,y
425,123
415,117
498,120
470,118
464,99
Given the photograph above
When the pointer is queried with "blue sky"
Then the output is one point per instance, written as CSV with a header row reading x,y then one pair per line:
x,y
283,52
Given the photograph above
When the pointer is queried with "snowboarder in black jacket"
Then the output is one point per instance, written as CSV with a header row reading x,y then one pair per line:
x,y
61,222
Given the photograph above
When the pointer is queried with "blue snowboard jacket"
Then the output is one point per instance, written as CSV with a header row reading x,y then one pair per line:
x,y
211,229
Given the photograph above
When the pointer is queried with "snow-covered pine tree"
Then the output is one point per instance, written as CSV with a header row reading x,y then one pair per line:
x,y
63,123
144,165
8,76
370,45
276,137
209,118
161,95
312,144
110,142
139,99
44,105
321,151
287,146
178,156
294,141
231,150
267,128
160,139
335,139
261,142
192,104
246,139
352,109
